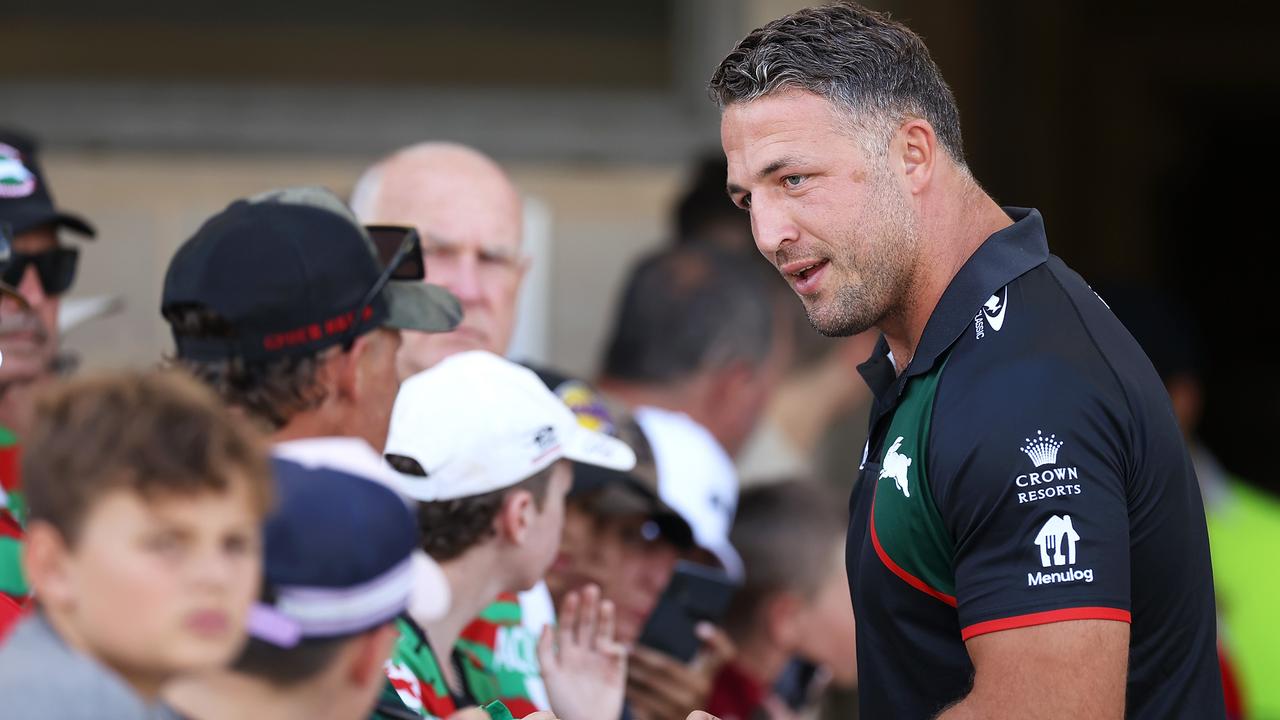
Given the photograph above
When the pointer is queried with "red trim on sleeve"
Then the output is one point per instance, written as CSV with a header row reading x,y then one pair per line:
x,y
894,568
1044,618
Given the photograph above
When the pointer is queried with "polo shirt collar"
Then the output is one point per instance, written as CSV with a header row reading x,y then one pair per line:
x,y
1002,258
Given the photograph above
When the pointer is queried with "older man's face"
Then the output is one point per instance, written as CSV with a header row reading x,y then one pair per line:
x,y
470,220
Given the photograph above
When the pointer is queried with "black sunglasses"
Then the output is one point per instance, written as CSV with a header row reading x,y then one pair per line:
x,y
56,268
409,246
388,239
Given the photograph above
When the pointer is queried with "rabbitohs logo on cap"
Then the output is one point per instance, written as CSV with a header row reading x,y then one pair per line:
x,y
16,181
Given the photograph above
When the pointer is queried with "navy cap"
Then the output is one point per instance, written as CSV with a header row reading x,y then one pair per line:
x,y
25,199
286,278
338,557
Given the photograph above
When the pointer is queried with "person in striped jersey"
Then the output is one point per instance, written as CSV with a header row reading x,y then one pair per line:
x,y
485,448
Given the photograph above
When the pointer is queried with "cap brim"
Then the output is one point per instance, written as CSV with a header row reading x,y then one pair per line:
x,y
24,221
415,305
76,224
624,496
729,559
595,448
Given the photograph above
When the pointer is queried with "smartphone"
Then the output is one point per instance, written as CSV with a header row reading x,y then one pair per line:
x,y
696,593
800,684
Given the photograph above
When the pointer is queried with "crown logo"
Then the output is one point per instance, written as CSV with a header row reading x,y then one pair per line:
x,y
1042,450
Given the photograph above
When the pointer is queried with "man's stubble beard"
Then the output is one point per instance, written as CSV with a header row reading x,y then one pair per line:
x,y
885,272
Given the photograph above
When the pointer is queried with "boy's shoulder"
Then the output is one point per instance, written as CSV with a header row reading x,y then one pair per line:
x,y
41,677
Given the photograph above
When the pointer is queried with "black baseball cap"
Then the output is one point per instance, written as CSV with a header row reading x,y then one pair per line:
x,y
606,492
25,199
289,271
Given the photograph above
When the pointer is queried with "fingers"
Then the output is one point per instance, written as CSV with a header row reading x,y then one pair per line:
x,y
605,630
547,650
568,625
588,618
671,694
656,662
653,704
717,648
700,715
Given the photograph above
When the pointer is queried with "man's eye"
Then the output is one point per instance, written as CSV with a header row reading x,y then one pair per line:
x,y
793,180
497,259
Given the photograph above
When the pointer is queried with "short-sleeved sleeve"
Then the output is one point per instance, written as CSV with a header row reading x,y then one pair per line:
x,y
1028,469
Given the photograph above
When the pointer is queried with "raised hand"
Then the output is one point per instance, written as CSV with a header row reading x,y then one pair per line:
x,y
583,666
660,687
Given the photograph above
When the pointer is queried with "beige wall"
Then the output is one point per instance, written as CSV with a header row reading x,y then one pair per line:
x,y
145,204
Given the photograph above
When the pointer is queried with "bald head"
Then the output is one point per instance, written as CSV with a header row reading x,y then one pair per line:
x,y
470,216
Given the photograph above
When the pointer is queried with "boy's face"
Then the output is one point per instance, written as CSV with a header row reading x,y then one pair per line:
x,y
826,629
548,523
620,553
160,587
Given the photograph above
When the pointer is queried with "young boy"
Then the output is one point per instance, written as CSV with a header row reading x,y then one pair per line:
x,y
795,601
485,447
145,500
336,579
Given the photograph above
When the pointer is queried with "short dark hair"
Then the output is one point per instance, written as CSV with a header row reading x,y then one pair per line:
x,y
690,308
705,203
271,392
788,534
286,667
876,69
451,527
157,433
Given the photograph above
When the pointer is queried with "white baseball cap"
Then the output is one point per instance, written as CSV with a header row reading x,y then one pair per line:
x,y
697,479
478,423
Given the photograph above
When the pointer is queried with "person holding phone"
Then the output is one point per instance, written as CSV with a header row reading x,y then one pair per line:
x,y
628,531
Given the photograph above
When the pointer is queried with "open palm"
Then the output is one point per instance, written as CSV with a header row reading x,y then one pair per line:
x,y
583,666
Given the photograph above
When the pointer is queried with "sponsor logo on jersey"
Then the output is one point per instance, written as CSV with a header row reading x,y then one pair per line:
x,y
1062,481
992,314
895,466
1056,542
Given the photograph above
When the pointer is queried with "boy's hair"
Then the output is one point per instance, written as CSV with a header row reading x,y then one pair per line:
x,y
787,533
451,527
287,667
271,392
155,433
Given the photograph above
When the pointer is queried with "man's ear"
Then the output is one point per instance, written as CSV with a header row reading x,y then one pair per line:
x,y
47,564
782,619
917,149
344,368
369,655
515,516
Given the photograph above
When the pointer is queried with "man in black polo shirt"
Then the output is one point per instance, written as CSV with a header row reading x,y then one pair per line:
x,y
1027,538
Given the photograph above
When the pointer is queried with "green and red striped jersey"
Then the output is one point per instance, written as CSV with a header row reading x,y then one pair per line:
x,y
499,658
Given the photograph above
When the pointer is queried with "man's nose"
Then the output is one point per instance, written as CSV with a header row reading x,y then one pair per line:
x,y
465,279
31,288
771,226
